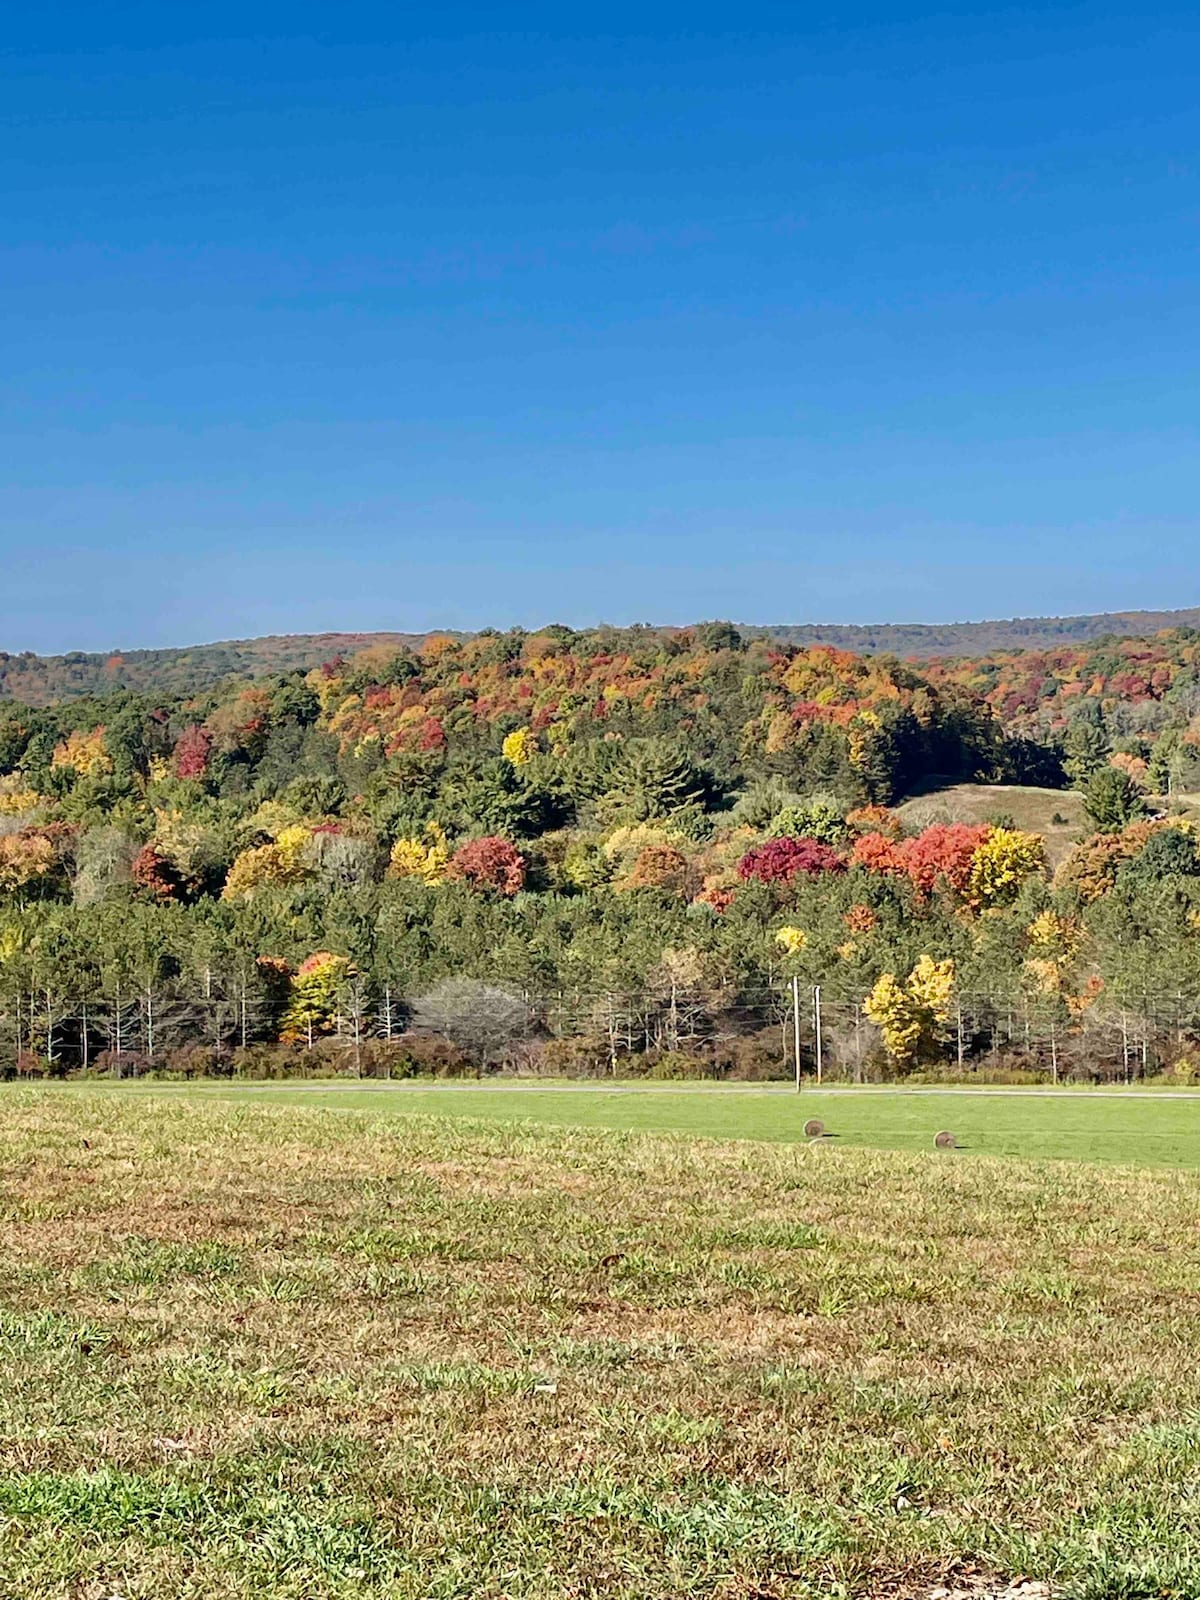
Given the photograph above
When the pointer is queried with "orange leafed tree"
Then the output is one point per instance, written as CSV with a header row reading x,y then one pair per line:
x,y
943,853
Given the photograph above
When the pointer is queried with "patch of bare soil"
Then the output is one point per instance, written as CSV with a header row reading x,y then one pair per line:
x,y
964,1584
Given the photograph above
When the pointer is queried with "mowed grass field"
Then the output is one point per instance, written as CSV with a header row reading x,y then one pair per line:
x,y
1140,1129
265,1347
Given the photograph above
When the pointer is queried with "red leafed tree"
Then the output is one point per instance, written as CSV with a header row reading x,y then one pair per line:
x,y
780,860
432,735
192,751
155,875
492,863
943,853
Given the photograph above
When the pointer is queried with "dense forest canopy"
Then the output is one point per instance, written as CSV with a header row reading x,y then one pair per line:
x,y
634,838
923,639
1138,698
41,680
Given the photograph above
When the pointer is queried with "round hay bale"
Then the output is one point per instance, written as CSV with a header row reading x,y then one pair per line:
x,y
814,1128
944,1140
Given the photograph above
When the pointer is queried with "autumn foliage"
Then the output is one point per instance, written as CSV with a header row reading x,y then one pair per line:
x,y
660,866
909,1013
155,874
492,864
565,807
780,860
192,752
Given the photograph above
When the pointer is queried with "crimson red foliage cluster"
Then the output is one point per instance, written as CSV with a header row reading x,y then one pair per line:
x,y
780,860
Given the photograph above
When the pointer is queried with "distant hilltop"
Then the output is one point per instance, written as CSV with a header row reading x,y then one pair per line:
x,y
924,639
191,669
188,669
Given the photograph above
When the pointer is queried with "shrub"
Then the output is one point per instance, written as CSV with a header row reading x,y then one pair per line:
x,y
271,1061
128,1064
197,1061
679,1064
1184,1071
584,1057
757,1057
430,1055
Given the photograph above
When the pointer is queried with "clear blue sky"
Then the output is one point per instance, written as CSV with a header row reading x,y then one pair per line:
x,y
402,315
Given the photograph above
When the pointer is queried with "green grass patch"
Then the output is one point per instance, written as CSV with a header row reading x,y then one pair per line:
x,y
255,1348
1149,1130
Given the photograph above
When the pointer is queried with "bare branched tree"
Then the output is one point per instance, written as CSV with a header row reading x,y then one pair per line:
x,y
483,1019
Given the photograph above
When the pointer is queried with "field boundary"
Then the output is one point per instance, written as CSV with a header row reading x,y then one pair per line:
x,y
1082,1092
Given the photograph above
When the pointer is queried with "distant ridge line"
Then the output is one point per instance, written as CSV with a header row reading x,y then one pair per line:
x,y
193,669
972,638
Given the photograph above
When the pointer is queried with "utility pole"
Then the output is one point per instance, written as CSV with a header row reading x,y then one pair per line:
x,y
796,1027
817,1029
1053,1052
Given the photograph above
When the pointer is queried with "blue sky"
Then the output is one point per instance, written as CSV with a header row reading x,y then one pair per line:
x,y
401,316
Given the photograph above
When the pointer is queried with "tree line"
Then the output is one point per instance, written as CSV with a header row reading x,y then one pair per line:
x,y
633,841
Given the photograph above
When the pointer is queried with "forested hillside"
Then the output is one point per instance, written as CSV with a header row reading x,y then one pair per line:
x,y
1137,699
601,850
975,638
41,680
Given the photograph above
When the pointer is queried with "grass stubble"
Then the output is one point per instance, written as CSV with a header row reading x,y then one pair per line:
x,y
272,1349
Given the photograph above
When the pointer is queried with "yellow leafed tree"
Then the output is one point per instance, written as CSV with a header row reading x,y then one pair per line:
x,y
269,865
909,1015
1001,865
426,858
520,747
931,985
15,797
1054,942
85,752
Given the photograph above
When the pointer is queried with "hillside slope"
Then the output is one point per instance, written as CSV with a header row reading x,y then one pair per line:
x,y
978,638
650,833
41,680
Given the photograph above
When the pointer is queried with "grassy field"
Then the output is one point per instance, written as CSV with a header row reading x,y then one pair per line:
x,y
1150,1130
257,1348
1030,808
